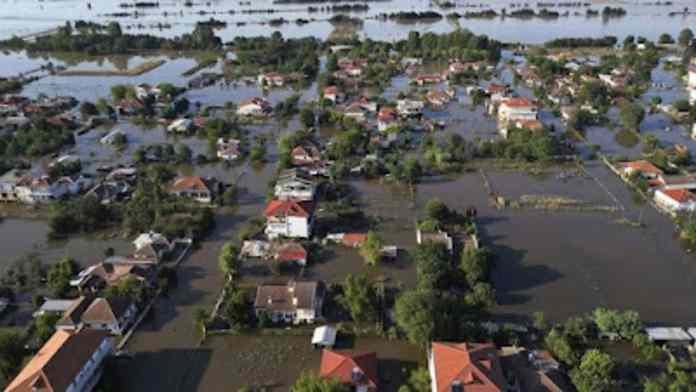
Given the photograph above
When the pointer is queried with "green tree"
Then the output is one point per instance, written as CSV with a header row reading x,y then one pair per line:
x,y
560,346
482,296
685,37
414,314
307,117
437,210
594,374
432,265
119,92
475,264
357,298
418,381
11,353
229,262
311,382
371,249
59,276
200,319
46,326
631,115
237,308
627,324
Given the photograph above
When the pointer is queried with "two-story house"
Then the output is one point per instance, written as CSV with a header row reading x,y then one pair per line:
x,y
289,218
292,185
192,187
69,361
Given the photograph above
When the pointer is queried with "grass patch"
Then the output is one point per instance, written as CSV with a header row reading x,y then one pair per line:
x,y
135,71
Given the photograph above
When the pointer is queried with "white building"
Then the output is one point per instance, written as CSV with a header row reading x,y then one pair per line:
x,y
517,109
294,302
292,186
675,200
409,107
228,149
69,361
180,125
289,218
254,107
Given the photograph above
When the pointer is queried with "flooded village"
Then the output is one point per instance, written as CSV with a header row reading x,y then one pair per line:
x,y
387,195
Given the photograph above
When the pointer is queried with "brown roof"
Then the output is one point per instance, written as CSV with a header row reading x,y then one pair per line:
x,y
474,366
189,183
105,311
350,368
642,166
58,362
282,297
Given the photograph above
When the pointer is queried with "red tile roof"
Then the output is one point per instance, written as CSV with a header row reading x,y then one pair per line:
x,y
679,195
350,368
291,251
353,239
289,208
475,366
642,166
520,102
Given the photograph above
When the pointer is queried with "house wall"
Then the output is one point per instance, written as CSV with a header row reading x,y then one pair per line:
x,y
670,204
431,370
88,376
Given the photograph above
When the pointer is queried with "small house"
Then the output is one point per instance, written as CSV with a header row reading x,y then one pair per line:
x,y
192,187
289,218
324,336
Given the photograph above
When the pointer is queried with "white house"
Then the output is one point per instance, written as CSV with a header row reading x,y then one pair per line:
x,y
675,200
294,186
69,361
254,107
409,107
152,246
228,149
180,125
33,190
271,79
289,218
192,187
517,109
294,302
333,94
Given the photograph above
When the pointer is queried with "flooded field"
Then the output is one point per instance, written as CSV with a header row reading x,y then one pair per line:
x,y
251,19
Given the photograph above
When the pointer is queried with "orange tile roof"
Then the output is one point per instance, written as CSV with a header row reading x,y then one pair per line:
x,y
188,183
476,366
342,366
289,208
58,362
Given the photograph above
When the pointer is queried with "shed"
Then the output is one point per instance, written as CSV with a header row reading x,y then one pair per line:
x,y
54,306
668,335
324,336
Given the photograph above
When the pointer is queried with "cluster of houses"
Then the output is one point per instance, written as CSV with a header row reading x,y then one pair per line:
x,y
674,194
19,112
27,188
513,112
453,367
72,359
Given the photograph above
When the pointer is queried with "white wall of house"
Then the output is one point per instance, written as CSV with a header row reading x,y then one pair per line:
x,y
431,370
291,227
669,204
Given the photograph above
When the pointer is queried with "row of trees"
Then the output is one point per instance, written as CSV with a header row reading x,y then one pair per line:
x,y
109,39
